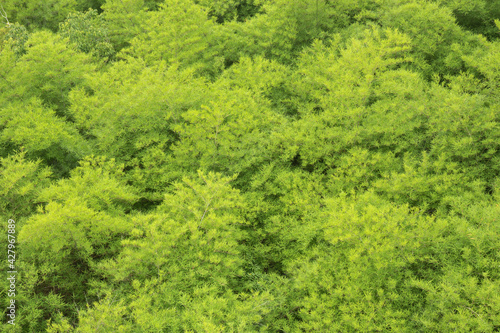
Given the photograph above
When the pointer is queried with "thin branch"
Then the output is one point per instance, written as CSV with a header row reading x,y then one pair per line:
x,y
474,312
4,15
206,210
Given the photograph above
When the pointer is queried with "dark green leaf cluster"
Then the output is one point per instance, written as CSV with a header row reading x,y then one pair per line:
x,y
88,31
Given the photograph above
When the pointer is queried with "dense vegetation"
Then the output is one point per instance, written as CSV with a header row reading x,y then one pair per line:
x,y
252,165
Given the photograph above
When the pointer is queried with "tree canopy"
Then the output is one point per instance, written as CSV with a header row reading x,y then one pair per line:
x,y
251,165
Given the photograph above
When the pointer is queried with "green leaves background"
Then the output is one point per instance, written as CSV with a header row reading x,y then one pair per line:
x,y
252,166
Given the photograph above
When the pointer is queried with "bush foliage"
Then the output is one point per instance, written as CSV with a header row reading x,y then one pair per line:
x,y
251,165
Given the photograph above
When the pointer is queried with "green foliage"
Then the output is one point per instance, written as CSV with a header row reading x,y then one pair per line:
x,y
286,204
189,251
281,29
225,10
262,165
465,128
270,34
433,32
486,63
48,70
341,99
380,268
82,224
16,37
264,78
355,281
228,134
21,181
130,110
63,255
124,19
98,183
477,16
42,133
106,315
423,183
88,32
35,14
343,78
179,32
198,222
